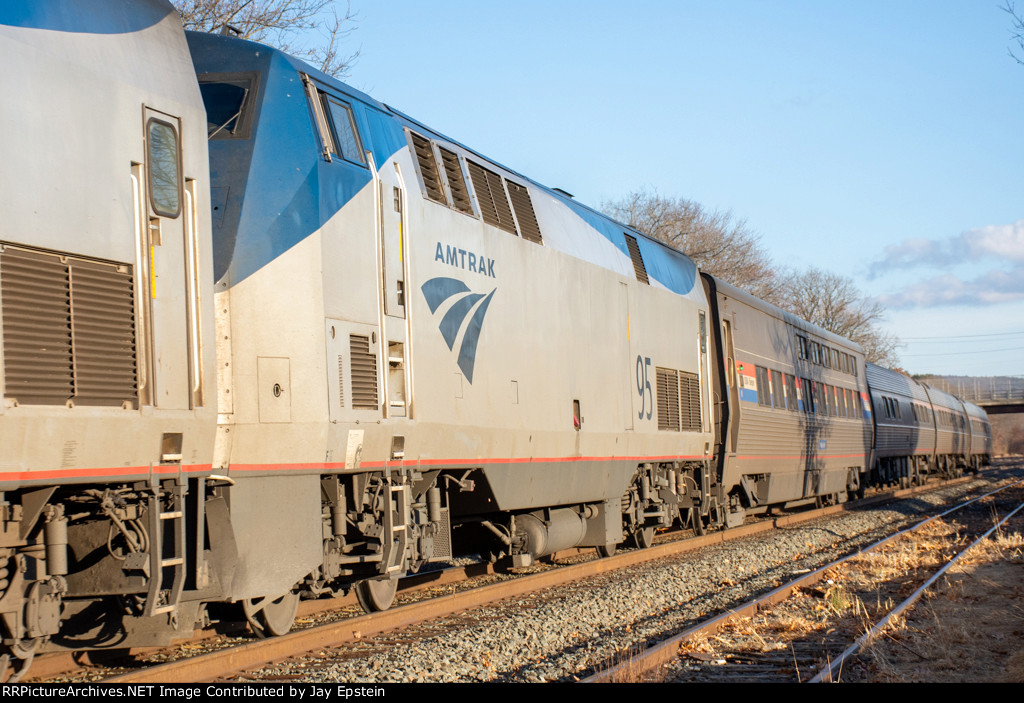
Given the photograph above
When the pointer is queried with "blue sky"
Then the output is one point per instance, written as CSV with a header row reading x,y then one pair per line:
x,y
880,140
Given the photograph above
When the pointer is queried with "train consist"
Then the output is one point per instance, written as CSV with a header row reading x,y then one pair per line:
x,y
265,337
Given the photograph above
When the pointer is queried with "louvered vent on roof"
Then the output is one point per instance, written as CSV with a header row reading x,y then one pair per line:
x,y
490,193
483,193
69,330
638,262
364,373
456,181
501,202
525,215
428,168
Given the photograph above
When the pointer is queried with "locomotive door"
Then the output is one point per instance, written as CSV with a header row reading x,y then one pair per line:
x,y
730,386
166,281
391,227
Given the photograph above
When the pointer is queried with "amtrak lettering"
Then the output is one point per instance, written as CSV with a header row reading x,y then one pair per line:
x,y
438,290
460,258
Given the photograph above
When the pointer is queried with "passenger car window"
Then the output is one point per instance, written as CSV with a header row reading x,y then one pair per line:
x,y
764,391
778,398
791,397
807,395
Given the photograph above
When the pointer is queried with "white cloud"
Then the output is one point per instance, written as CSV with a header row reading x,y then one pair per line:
x,y
994,287
1003,242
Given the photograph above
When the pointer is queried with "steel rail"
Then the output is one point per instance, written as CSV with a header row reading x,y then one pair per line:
x,y
667,650
827,674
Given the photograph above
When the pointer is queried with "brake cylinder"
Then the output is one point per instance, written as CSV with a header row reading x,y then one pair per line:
x,y
55,532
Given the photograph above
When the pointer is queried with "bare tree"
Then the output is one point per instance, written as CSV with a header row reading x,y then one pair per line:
x,y
280,23
1017,33
717,243
833,302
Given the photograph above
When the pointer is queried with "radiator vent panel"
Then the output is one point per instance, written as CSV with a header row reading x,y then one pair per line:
x,y
69,330
364,374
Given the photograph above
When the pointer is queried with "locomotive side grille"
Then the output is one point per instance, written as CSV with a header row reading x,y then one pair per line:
x,y
364,373
428,168
103,334
491,195
37,327
678,401
689,397
456,181
69,330
523,206
638,262
668,399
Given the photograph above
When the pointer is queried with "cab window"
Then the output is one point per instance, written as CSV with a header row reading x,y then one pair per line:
x,y
343,128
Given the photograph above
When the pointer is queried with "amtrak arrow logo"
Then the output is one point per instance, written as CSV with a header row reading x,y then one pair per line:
x,y
438,290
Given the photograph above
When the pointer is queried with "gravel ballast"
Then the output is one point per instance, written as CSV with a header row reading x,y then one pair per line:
x,y
562,634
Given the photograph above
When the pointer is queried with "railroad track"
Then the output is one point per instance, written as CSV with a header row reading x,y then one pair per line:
x,y
754,643
358,631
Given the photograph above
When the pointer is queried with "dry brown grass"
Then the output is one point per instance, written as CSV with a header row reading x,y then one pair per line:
x,y
969,628
630,671
1015,669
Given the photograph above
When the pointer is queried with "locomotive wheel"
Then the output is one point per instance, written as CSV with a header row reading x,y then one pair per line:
x,y
271,617
697,523
376,595
606,551
642,538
